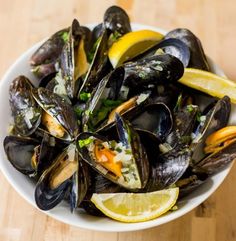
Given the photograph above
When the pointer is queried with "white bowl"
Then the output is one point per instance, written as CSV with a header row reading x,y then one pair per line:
x,y
25,187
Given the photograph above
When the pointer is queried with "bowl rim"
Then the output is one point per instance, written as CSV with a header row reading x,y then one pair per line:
x,y
120,228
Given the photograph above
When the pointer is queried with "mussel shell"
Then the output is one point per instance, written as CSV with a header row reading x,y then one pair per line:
x,y
157,69
79,185
116,20
44,70
216,161
129,136
50,50
99,66
45,197
198,59
97,32
49,149
155,118
19,151
216,118
170,46
68,57
168,169
59,109
25,110
108,88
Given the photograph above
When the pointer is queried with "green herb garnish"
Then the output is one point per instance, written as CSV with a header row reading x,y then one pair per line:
x,y
91,53
189,108
85,142
65,36
84,96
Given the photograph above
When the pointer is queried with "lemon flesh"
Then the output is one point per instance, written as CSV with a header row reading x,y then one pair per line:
x,y
209,83
131,45
136,207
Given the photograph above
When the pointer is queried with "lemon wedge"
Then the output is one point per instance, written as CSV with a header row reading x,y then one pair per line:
x,y
136,207
131,45
209,83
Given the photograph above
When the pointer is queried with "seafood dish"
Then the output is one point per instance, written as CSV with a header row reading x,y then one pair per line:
x,y
119,113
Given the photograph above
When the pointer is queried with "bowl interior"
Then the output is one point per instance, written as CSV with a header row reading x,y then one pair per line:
x,y
25,187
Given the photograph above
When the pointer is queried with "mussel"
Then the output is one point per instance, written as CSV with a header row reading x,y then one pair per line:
x,y
55,182
124,162
25,110
73,62
151,71
58,116
20,152
44,59
116,20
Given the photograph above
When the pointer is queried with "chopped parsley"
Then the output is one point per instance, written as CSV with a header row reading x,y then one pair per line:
x,y
84,96
85,142
91,53
65,36
101,114
189,108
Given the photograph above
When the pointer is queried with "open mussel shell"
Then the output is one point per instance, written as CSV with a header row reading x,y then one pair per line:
x,y
116,20
99,66
198,58
155,118
55,181
217,160
215,118
58,116
25,110
132,173
184,120
20,152
73,60
108,89
97,32
154,70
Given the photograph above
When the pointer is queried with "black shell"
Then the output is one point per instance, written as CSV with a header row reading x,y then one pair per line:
x,y
25,110
157,69
198,58
59,109
50,50
116,20
19,151
47,198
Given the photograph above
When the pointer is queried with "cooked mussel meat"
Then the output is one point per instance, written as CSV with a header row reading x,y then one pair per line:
x,y
124,162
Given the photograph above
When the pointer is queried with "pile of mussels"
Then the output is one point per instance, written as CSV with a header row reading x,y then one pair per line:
x,y
89,128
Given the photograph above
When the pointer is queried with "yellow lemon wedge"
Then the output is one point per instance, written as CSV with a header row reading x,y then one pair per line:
x,y
136,207
131,45
209,83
